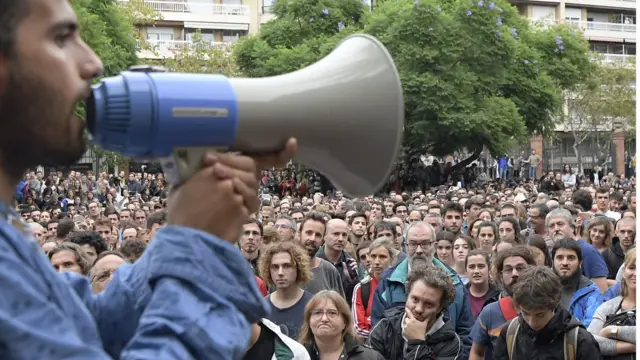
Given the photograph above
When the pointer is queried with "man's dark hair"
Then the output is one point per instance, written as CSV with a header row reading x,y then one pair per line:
x,y
583,198
11,13
538,288
569,244
382,226
133,248
542,208
397,205
110,210
313,216
255,221
90,238
514,251
617,196
452,206
65,226
109,252
358,215
296,210
158,217
363,245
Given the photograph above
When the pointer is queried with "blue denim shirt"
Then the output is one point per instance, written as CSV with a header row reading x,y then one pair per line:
x,y
190,296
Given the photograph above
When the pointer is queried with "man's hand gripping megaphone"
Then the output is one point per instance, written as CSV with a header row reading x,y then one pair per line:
x,y
220,197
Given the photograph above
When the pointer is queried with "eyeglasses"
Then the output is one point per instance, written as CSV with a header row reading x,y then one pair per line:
x,y
425,245
331,314
282,226
508,269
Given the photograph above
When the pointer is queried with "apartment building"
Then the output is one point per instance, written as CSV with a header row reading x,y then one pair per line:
x,y
219,22
610,28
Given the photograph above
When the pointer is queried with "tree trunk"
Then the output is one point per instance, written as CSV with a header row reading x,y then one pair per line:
x,y
462,164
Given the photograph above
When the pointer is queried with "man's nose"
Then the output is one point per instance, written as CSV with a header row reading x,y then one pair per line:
x,y
91,66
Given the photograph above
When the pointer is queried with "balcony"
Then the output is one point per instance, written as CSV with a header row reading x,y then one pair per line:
x,y
603,31
162,49
202,11
617,58
603,4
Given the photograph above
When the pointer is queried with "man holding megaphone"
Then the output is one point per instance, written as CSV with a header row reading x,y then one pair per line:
x,y
191,295
202,297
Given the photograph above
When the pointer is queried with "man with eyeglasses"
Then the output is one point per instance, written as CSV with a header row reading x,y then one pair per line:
x,y
391,291
509,264
286,227
536,223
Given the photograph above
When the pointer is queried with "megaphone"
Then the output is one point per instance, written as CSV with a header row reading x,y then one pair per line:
x,y
346,111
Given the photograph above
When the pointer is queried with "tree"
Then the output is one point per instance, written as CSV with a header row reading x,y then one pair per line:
x,y
106,26
475,73
604,103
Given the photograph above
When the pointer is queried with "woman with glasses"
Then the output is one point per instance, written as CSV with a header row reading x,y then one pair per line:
x,y
327,332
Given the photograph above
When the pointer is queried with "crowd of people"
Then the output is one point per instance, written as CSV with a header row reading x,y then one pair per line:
x,y
499,271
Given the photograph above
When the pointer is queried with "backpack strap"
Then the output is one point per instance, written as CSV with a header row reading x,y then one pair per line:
x,y
507,309
571,343
365,292
512,333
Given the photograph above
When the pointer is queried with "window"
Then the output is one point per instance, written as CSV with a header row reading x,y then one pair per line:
x,y
232,35
267,6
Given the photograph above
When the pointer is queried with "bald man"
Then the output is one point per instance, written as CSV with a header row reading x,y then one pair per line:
x,y
336,238
614,255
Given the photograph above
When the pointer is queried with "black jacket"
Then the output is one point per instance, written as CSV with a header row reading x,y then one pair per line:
x,y
548,343
353,350
614,258
386,338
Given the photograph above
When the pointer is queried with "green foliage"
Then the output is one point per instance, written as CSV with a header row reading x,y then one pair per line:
x,y
604,103
107,27
303,32
201,56
475,73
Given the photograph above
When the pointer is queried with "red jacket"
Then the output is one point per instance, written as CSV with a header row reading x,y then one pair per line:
x,y
262,286
362,316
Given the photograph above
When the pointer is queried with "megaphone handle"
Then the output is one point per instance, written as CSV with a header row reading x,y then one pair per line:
x,y
184,162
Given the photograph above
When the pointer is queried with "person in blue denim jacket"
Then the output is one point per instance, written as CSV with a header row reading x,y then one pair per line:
x,y
190,296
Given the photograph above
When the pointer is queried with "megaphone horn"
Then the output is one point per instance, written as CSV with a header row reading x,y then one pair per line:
x,y
346,110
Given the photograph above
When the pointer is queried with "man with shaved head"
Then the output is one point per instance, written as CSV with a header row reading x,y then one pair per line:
x,y
336,238
391,293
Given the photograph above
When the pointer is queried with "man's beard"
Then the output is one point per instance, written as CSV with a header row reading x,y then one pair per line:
x,y
419,260
571,279
34,126
508,289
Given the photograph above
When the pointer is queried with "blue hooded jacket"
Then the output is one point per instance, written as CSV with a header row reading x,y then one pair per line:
x,y
585,301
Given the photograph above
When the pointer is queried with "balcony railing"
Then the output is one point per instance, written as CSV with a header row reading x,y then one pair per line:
x,y
196,7
180,45
617,57
603,26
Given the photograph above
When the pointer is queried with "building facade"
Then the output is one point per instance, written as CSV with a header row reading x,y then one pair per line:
x,y
219,22
610,28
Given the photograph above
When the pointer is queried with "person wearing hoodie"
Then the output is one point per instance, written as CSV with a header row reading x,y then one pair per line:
x,y
580,296
422,330
543,328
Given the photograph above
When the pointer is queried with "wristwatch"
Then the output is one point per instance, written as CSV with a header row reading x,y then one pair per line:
x,y
614,330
